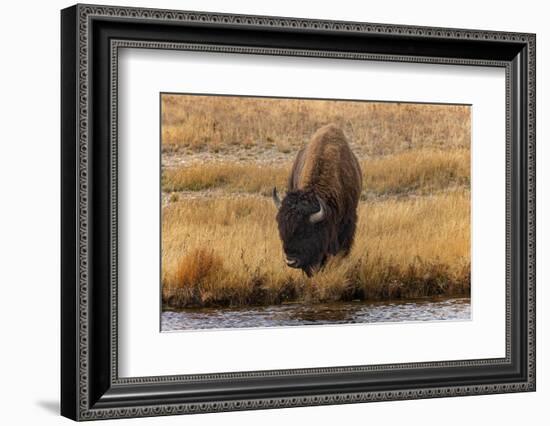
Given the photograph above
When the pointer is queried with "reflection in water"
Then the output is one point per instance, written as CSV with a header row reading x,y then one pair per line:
x,y
315,314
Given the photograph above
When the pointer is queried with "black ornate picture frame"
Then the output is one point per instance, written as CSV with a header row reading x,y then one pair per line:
x,y
90,385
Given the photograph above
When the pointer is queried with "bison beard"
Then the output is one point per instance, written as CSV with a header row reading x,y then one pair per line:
x,y
318,216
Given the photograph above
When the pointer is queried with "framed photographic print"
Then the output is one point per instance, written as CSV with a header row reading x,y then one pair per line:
x,y
263,212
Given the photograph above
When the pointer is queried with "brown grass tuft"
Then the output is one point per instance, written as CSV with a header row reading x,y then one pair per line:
x,y
196,266
194,272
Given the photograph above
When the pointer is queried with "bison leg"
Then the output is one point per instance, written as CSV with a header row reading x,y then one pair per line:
x,y
346,235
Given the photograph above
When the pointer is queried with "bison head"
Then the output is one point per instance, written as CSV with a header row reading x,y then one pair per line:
x,y
303,228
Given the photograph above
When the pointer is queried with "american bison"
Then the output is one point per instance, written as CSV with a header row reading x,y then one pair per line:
x,y
318,216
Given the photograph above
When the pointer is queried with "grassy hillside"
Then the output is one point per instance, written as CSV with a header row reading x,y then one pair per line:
x,y
222,155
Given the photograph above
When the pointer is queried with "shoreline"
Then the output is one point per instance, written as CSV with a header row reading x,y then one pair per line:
x,y
178,298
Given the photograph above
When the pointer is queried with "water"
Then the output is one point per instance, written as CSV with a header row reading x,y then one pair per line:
x,y
316,314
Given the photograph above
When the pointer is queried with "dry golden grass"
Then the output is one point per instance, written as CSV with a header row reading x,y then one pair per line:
x,y
413,236
419,170
219,252
231,176
221,123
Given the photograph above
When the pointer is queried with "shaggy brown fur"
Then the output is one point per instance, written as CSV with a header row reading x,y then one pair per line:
x,y
325,173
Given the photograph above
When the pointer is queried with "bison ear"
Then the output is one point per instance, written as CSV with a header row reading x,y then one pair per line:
x,y
276,198
320,215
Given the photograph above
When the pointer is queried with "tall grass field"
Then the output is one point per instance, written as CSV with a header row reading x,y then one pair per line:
x,y
222,155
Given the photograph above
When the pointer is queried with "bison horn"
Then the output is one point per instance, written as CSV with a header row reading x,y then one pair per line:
x,y
276,198
320,215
